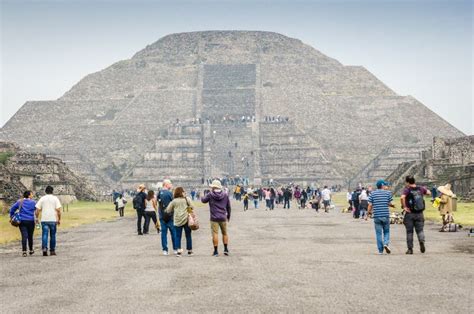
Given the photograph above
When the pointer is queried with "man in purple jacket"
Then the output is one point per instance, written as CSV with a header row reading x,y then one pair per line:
x,y
219,205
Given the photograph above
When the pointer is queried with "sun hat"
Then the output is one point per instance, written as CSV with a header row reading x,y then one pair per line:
x,y
381,183
141,187
446,189
216,184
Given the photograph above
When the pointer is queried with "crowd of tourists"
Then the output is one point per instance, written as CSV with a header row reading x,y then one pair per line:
x,y
172,211
284,196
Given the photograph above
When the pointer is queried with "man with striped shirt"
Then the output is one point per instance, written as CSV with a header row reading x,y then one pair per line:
x,y
379,202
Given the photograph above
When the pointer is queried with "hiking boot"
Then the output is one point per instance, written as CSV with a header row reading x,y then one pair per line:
x,y
52,253
45,253
387,249
422,247
409,251
139,233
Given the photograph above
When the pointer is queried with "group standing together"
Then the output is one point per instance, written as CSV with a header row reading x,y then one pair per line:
x,y
176,214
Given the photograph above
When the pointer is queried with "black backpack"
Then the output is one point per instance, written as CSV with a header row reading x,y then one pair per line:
x,y
415,200
355,196
138,202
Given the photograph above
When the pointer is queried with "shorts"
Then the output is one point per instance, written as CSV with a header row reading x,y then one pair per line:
x,y
215,225
327,203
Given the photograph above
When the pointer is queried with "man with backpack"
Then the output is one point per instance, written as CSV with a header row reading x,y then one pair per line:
x,y
412,201
166,219
139,206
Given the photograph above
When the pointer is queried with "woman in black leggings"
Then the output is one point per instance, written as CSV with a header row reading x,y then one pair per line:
x,y
26,207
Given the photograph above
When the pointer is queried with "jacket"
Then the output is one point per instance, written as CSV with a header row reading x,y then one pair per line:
x,y
178,207
219,205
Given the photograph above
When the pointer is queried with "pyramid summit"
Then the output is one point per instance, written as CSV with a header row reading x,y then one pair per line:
x,y
206,104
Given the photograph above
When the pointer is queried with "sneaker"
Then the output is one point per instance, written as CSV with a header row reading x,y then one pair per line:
x,y
45,253
387,249
165,253
140,233
422,247
380,253
32,252
180,251
52,253
215,254
409,251
190,253
24,254
226,253
175,252
178,254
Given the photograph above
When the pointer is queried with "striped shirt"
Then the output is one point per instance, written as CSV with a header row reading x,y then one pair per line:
x,y
380,199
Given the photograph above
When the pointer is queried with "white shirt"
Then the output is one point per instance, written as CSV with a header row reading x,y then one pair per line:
x,y
349,196
149,206
120,202
48,205
326,194
363,196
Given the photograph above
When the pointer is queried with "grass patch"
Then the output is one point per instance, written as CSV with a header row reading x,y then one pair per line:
x,y
464,214
4,157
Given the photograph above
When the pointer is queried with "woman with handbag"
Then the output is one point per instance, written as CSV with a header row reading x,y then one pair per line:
x,y
25,220
181,207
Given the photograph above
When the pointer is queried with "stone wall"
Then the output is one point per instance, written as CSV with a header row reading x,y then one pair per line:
x,y
447,161
34,171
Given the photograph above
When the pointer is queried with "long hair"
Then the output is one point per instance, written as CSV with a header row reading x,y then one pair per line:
x,y
178,192
150,195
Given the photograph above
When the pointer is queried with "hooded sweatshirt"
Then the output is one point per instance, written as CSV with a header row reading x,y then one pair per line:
x,y
219,205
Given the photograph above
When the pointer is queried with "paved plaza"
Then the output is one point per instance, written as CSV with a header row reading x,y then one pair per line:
x,y
281,261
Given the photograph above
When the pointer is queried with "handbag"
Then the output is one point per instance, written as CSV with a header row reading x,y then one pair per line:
x,y
193,222
16,220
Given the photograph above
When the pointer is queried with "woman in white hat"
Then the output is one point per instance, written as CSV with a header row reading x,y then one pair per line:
x,y
446,203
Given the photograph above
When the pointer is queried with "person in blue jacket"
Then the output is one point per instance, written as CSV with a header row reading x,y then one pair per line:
x,y
26,206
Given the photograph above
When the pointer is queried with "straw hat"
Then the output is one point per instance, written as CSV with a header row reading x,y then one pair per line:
x,y
141,187
446,189
216,184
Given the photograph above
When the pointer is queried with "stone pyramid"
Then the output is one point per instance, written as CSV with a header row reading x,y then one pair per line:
x,y
204,104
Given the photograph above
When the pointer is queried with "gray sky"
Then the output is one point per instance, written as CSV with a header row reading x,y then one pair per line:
x,y
421,48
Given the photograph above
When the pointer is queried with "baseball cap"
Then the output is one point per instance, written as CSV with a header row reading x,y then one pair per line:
x,y
381,183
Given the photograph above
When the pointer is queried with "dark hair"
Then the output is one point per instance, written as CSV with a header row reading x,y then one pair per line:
x,y
26,194
178,192
410,179
150,195
49,189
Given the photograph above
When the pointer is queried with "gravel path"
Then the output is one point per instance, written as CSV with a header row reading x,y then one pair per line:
x,y
282,261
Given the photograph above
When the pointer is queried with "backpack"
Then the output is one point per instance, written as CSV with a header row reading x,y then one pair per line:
x,y
415,200
164,215
355,196
297,194
138,202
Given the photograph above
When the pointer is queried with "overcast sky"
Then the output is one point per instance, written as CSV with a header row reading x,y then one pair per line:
x,y
420,48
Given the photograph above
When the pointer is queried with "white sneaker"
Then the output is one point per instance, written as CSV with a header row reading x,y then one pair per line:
x,y
175,252
180,251
165,253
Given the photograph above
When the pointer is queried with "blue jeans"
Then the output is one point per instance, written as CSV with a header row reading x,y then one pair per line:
x,y
165,226
382,225
255,203
179,234
48,228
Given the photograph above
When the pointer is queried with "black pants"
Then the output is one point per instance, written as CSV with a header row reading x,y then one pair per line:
x,y
27,228
140,215
303,203
286,203
148,216
357,210
121,211
414,221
